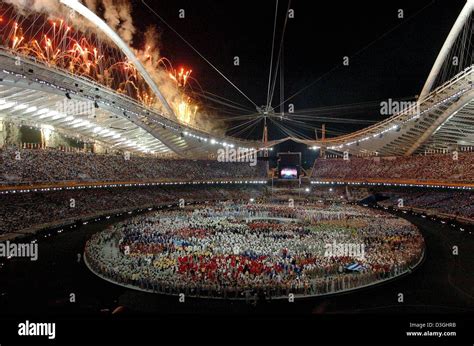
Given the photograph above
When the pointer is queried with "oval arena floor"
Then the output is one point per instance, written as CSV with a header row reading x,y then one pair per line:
x,y
438,284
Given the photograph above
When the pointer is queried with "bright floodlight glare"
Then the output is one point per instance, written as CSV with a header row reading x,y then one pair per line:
x,y
307,189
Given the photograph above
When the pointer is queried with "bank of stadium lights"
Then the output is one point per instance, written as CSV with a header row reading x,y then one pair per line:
x,y
192,135
14,73
189,134
98,186
391,184
257,149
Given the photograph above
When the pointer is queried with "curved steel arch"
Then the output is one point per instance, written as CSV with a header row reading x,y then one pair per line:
x,y
448,44
101,25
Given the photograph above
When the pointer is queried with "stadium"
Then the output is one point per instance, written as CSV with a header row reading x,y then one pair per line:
x,y
132,187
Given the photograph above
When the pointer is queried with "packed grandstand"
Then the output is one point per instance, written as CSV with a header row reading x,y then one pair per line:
x,y
23,166
442,168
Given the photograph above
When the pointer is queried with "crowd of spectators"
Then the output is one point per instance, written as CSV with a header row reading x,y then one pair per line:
x,y
456,203
419,167
22,211
51,165
229,250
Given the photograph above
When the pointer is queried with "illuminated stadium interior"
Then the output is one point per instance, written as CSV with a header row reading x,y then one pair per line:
x,y
146,172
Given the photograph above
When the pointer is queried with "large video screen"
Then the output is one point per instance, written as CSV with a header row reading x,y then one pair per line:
x,y
289,165
289,173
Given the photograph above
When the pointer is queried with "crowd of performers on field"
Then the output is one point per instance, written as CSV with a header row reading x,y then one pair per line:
x,y
233,250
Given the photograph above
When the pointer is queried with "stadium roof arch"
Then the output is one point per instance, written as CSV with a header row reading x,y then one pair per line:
x,y
30,93
31,90
441,117
443,120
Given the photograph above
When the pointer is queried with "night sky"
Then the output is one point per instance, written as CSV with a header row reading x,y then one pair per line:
x,y
392,66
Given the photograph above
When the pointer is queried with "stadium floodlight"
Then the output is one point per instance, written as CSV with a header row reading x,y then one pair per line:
x,y
19,107
55,115
47,127
42,111
31,109
6,105
75,121
47,115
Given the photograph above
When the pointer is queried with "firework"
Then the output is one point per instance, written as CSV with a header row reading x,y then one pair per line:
x,y
186,110
55,43
180,76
